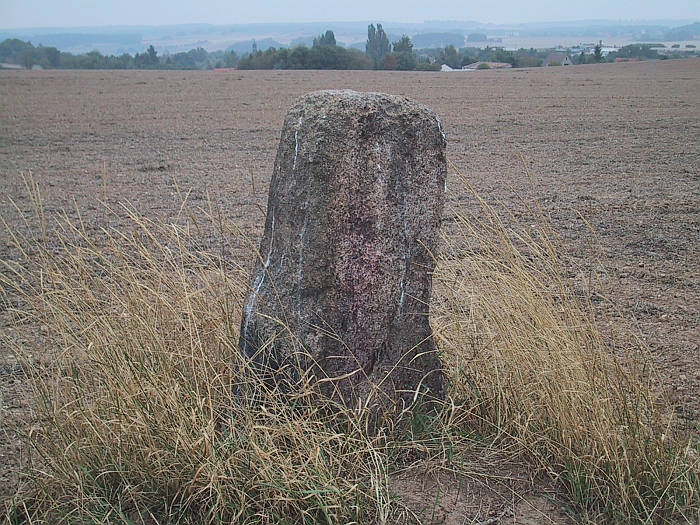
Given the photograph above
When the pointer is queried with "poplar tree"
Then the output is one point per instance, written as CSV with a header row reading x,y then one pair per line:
x,y
327,39
378,43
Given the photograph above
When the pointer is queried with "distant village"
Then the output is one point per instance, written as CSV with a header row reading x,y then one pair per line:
x,y
587,53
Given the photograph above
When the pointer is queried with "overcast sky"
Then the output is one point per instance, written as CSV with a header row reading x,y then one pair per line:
x,y
65,13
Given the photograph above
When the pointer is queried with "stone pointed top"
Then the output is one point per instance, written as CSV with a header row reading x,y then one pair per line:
x,y
359,97
350,101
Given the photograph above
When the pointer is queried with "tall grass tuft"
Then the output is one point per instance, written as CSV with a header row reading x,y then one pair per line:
x,y
523,352
145,411
141,413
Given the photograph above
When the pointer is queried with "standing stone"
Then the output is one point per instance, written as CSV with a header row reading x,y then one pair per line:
x,y
342,285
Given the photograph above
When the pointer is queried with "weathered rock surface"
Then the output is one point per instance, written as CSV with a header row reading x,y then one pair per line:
x,y
342,284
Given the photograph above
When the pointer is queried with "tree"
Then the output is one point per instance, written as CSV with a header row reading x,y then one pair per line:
x,y
26,58
12,48
191,59
449,56
359,60
405,61
371,45
501,55
328,57
404,45
524,58
298,58
377,43
467,59
635,51
92,60
598,53
68,60
389,61
148,59
326,39
424,64
199,55
152,55
48,56
183,59
230,59
281,59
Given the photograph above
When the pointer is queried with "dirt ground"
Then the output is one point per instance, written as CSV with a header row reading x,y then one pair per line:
x,y
614,144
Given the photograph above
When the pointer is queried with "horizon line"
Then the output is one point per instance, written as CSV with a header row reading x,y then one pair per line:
x,y
628,21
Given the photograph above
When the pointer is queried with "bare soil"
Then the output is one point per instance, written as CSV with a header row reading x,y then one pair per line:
x,y
610,145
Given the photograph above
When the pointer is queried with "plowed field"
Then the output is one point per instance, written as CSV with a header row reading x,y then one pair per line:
x,y
613,146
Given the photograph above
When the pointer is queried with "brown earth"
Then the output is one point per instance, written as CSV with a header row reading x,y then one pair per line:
x,y
614,144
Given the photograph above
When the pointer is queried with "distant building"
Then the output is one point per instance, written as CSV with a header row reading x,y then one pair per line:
x,y
561,59
445,67
589,49
486,65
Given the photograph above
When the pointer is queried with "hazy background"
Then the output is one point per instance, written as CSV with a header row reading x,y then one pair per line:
x,y
71,13
130,26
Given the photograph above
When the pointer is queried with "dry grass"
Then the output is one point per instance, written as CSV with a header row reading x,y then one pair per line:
x,y
523,351
145,415
142,416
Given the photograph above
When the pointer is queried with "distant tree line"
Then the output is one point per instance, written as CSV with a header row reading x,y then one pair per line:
x,y
457,58
641,51
321,55
325,53
25,54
